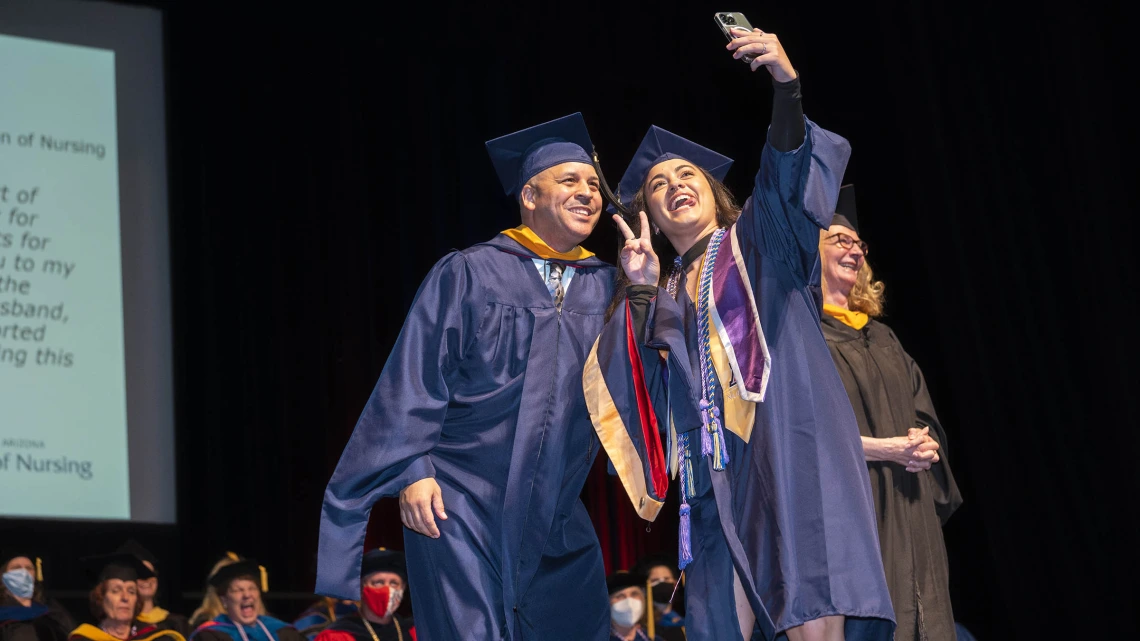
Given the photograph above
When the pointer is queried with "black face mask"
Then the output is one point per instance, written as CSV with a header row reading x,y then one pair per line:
x,y
662,591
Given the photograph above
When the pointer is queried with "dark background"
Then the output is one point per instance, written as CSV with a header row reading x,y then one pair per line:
x,y
324,155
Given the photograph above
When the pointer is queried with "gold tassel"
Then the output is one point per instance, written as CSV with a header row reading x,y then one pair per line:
x,y
39,569
264,579
652,623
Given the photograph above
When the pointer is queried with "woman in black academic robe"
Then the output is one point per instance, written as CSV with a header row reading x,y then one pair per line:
x,y
150,611
25,615
115,603
904,444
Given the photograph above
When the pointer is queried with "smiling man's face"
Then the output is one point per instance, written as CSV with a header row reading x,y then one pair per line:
x,y
563,204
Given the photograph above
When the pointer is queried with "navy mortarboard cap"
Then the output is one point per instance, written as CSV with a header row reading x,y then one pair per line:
x,y
7,554
519,156
845,209
381,560
621,580
117,565
660,145
141,553
221,579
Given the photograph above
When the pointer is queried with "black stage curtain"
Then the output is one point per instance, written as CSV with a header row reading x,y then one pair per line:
x,y
325,155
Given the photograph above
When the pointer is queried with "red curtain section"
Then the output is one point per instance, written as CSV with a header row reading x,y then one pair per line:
x,y
621,532
625,537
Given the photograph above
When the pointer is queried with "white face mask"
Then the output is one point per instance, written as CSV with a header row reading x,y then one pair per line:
x,y
20,582
627,611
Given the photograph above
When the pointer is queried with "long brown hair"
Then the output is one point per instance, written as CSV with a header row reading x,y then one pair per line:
x,y
727,211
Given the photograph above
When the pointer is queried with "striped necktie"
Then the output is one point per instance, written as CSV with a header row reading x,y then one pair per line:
x,y
554,283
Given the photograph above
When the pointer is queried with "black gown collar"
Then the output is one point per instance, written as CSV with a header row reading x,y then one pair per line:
x,y
695,252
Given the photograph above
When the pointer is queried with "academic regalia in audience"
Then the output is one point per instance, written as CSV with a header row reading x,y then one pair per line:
x,y
141,632
634,621
666,598
322,613
267,628
128,569
211,605
156,616
41,618
32,623
354,627
225,628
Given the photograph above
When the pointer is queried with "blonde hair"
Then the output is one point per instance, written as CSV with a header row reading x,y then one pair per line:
x,y
211,605
867,294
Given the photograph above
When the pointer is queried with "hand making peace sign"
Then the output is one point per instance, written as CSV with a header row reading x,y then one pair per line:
x,y
637,256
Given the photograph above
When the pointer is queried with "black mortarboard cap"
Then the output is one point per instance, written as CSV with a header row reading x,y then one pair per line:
x,y
845,209
648,562
220,580
381,560
519,156
621,580
7,554
141,553
660,145
117,565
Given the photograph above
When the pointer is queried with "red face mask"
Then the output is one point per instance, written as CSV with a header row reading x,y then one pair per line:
x,y
383,601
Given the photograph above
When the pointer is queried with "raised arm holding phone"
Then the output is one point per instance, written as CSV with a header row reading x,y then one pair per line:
x,y
716,324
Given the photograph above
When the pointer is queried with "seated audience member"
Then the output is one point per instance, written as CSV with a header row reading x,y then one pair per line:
x,y
629,617
239,587
24,613
115,602
667,597
211,605
383,584
148,589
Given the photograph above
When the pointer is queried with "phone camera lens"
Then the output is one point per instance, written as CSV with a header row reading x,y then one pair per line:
x,y
729,19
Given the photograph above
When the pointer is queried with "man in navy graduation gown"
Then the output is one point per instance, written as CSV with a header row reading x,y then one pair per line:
x,y
479,423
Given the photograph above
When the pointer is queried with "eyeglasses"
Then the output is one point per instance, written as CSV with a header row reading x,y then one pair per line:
x,y
846,242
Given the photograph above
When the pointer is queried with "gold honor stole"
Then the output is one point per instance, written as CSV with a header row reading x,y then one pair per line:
x,y
524,236
97,634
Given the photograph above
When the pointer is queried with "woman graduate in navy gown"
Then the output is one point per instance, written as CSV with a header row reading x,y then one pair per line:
x,y
24,614
777,521
903,441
